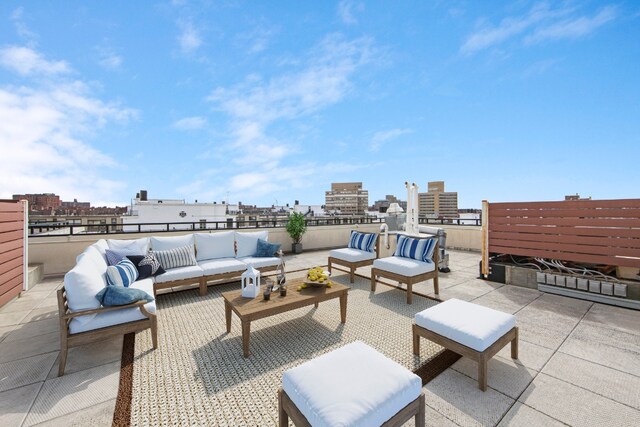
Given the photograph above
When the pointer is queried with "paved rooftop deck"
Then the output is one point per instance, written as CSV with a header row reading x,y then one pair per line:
x,y
579,361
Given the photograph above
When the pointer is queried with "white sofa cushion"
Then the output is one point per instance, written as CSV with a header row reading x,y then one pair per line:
x,y
354,385
84,281
171,242
115,317
221,266
247,243
139,246
260,262
101,245
469,324
352,255
215,245
403,266
180,273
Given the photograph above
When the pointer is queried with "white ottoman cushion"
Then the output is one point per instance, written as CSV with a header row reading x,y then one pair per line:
x,y
403,266
352,255
354,385
469,324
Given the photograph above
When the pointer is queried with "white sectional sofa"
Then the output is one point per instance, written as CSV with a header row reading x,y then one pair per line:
x,y
223,255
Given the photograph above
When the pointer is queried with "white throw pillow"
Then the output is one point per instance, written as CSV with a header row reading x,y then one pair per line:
x,y
247,243
171,242
215,245
139,246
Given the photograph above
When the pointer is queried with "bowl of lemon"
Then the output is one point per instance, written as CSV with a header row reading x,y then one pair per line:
x,y
317,277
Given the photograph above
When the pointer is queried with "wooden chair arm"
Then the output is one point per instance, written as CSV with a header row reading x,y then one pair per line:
x,y
71,315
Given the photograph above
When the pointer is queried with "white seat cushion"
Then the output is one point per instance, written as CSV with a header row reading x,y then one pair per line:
x,y
115,317
179,273
215,245
260,262
221,266
247,243
352,255
469,324
354,385
403,266
167,243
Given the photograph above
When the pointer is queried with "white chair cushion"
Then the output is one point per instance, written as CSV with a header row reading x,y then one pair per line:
x,y
140,246
354,385
352,255
469,324
248,243
221,266
403,266
179,273
171,242
260,262
84,281
115,317
215,245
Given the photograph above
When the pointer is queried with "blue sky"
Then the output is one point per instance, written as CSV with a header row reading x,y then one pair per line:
x,y
265,101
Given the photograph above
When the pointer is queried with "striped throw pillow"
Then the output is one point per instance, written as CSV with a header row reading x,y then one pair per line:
x,y
418,249
363,241
123,273
177,257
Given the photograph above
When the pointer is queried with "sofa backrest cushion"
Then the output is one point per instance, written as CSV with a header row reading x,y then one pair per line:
x,y
247,243
215,245
171,242
84,280
139,246
418,249
101,245
178,257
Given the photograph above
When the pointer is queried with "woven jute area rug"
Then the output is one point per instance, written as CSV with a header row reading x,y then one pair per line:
x,y
198,375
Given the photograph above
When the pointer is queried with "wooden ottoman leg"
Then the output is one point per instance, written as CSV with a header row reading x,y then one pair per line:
x,y
283,418
514,345
420,416
416,341
482,372
409,293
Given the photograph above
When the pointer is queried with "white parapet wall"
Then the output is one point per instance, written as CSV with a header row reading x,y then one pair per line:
x,y
58,253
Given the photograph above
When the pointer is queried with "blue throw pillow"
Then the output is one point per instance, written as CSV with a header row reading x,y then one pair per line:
x,y
362,241
123,273
266,249
418,249
112,296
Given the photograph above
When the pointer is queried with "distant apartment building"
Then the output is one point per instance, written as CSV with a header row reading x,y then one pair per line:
x,y
346,198
383,205
437,203
576,197
40,202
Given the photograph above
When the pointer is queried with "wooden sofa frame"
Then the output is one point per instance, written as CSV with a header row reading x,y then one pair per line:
x,y
352,266
482,357
68,340
287,409
410,280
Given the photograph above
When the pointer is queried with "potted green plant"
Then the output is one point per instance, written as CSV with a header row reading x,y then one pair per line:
x,y
296,227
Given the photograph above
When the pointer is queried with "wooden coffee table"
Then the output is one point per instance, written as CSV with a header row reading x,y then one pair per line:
x,y
249,310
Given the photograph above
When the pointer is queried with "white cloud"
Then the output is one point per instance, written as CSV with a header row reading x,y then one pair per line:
x,y
26,61
43,140
259,37
347,9
189,38
108,58
540,23
21,28
190,123
573,28
379,138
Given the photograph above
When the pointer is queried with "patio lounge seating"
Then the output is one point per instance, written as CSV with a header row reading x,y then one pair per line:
x,y
359,253
415,260
468,329
354,385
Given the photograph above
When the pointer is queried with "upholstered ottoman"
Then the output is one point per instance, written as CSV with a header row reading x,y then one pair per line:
x,y
468,329
354,385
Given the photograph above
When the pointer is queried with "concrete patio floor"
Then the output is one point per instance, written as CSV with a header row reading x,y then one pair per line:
x,y
579,361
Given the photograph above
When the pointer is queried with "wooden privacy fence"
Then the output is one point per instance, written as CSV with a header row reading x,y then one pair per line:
x,y
583,231
12,249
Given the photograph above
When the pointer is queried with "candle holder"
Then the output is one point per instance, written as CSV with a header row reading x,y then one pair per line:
x,y
283,291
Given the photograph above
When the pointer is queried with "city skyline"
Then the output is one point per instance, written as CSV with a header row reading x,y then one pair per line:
x,y
258,102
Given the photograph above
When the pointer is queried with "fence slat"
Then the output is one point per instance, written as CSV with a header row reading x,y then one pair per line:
x,y
572,231
621,242
576,222
569,204
569,213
